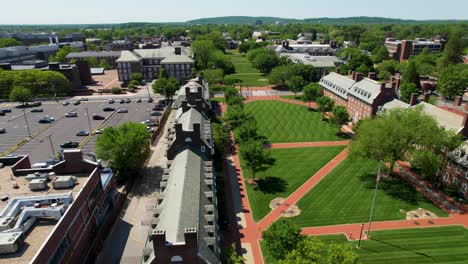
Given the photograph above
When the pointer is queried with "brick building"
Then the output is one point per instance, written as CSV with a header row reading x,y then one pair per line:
x,y
403,49
176,61
109,56
52,215
362,97
454,172
185,226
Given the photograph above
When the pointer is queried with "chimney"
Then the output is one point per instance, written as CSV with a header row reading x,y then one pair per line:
x,y
190,236
413,99
287,44
197,130
54,66
358,77
427,96
353,75
382,87
457,101
159,239
284,44
184,106
371,75
178,130
178,51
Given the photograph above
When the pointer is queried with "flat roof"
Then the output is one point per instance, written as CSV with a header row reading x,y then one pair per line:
x,y
37,235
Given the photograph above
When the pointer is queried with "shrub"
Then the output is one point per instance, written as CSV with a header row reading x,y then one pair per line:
x,y
116,90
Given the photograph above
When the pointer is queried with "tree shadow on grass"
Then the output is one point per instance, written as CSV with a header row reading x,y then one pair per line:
x,y
343,135
393,186
402,248
271,185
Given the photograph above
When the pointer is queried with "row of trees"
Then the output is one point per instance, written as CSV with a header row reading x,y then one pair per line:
x,y
38,83
284,242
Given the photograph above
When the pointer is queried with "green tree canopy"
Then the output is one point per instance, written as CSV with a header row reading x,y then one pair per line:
x,y
213,76
203,50
380,54
136,76
295,84
324,104
342,254
125,147
265,61
255,156
9,42
166,86
280,75
104,64
453,80
309,250
63,52
311,92
20,94
411,74
230,256
340,116
406,90
281,238
453,52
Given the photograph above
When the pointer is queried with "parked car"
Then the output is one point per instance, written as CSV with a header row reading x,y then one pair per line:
x,y
111,101
121,101
82,133
149,123
162,102
46,120
37,110
138,100
158,108
76,103
71,114
150,129
83,99
155,113
108,109
2,130
5,110
99,131
98,117
70,144
127,100
65,103
122,110
32,104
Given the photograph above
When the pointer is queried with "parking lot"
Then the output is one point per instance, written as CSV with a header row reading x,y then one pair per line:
x,y
64,128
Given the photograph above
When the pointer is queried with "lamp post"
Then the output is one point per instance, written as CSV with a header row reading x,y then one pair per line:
x,y
27,125
52,147
89,121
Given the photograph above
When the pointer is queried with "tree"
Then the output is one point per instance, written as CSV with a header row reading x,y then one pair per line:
x,y
137,77
295,84
166,86
406,90
104,64
340,116
125,147
308,250
9,42
247,131
280,75
411,74
245,46
133,84
230,256
203,50
20,94
399,134
453,80
220,137
93,62
311,92
324,104
232,97
379,54
220,61
216,38
63,52
255,156
281,238
213,76
234,116
265,62
342,254
386,69
453,52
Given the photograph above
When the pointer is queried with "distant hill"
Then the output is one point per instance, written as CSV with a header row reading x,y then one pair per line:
x,y
322,20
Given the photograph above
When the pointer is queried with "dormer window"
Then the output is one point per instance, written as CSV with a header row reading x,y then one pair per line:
x,y
188,140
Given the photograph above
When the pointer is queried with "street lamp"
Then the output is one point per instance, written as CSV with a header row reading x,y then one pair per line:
x,y
27,125
89,121
52,147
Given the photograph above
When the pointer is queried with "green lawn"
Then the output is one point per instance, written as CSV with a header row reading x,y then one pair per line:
x,y
283,122
345,195
250,76
292,97
291,169
419,245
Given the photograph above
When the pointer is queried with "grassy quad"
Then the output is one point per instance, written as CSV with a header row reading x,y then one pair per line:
x,y
441,245
284,122
291,169
345,194
250,76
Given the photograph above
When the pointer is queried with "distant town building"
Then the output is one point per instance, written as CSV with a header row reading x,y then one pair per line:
x,y
41,38
362,97
176,61
313,49
54,214
110,56
403,49
19,54
185,226
320,63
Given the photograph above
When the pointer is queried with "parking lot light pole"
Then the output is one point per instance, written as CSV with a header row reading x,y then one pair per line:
x,y
52,146
27,125
89,122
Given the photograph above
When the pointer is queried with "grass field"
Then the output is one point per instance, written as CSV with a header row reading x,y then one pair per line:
x,y
291,169
292,97
345,195
250,76
443,245
283,122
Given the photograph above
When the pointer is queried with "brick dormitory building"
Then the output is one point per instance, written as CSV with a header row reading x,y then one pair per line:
x,y
53,214
184,228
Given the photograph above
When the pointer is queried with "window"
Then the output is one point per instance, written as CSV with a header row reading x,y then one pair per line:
x,y
176,259
60,251
203,149
188,140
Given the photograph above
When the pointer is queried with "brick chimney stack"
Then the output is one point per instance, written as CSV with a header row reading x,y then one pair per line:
x,y
358,77
353,75
371,75
458,100
427,96
413,99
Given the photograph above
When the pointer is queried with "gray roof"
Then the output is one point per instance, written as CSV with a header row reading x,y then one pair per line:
x,y
460,155
316,61
395,104
337,83
90,54
128,56
366,90
446,119
193,84
177,59
192,116
162,52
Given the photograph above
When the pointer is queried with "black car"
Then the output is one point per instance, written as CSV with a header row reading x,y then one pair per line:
x,y
158,108
121,101
76,103
37,110
138,100
108,109
127,101
5,110
2,130
46,120
155,113
70,144
98,117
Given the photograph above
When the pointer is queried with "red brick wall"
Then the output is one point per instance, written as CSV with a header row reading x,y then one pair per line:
x,y
453,173
358,109
338,100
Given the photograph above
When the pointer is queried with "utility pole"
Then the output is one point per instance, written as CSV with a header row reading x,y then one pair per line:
x,y
52,147
89,122
379,176
27,125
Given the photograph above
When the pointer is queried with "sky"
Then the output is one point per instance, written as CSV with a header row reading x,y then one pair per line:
x,y
121,11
